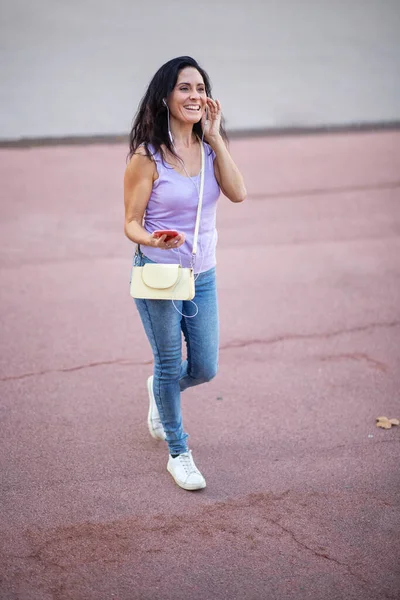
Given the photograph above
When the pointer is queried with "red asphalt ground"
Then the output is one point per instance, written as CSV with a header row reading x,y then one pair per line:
x,y
302,497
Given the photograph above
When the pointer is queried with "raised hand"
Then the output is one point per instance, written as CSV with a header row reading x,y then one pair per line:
x,y
211,125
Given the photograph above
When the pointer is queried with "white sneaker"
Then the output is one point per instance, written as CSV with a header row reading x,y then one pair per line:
x,y
153,418
185,472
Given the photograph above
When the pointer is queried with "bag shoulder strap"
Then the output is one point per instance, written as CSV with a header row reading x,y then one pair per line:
x,y
201,189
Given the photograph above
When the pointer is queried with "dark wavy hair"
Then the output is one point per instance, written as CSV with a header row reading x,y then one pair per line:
x,y
150,124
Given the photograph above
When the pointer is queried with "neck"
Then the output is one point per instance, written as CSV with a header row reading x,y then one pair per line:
x,y
182,134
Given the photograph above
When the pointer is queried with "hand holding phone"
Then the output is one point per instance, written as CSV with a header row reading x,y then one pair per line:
x,y
168,239
169,233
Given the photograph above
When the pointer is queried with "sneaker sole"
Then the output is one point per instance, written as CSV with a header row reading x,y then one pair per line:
x,y
191,487
149,421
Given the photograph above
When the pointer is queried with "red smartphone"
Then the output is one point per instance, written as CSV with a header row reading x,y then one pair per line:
x,y
168,232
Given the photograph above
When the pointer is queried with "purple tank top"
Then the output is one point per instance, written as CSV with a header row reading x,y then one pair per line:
x,y
173,205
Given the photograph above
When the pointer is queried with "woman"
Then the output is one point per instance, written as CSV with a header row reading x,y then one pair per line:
x,y
161,193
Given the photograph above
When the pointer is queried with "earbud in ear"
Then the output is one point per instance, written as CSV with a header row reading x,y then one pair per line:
x,y
164,102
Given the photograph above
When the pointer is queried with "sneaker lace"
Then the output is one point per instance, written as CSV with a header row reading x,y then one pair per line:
x,y
187,463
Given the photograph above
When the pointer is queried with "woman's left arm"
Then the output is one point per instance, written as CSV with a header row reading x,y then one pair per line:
x,y
227,174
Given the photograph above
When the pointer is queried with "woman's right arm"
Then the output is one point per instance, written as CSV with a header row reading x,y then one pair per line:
x,y
140,175
138,184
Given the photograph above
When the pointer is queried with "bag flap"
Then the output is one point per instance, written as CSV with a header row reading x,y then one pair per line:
x,y
160,276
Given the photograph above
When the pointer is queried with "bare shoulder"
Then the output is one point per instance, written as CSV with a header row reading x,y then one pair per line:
x,y
140,167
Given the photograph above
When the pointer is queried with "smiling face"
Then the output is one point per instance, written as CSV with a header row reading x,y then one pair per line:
x,y
187,100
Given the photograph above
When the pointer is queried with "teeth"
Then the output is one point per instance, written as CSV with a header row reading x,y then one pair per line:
x,y
193,107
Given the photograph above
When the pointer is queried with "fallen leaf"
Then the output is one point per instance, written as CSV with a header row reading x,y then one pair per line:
x,y
386,423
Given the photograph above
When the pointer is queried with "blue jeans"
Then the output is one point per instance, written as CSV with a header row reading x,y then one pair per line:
x,y
164,327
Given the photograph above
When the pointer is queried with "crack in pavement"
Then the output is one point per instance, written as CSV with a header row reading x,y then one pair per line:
x,y
321,554
229,346
326,556
118,361
306,336
358,356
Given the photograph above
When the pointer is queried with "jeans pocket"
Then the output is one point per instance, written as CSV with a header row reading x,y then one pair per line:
x,y
140,259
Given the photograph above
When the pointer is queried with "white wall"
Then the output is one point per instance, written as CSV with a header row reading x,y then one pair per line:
x,y
79,67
